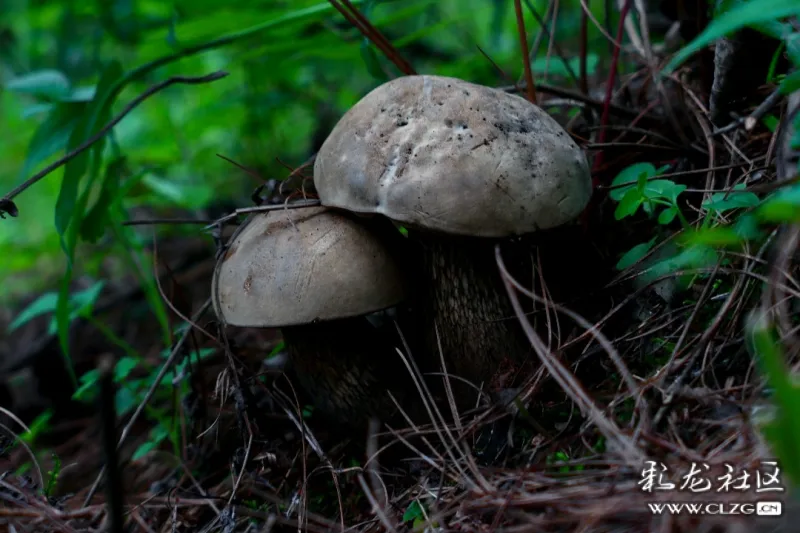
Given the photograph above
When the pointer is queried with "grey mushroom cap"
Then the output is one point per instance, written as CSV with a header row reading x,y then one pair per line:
x,y
297,266
447,155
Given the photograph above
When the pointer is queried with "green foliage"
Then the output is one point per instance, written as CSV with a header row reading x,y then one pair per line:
x,y
635,254
555,66
132,389
737,198
744,14
52,476
783,429
417,514
50,86
780,207
40,425
80,304
557,459
790,83
635,188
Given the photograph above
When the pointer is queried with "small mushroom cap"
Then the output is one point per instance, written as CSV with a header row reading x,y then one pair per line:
x,y
447,155
295,266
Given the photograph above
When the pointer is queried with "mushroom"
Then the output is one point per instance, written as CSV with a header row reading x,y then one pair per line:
x,y
461,167
316,274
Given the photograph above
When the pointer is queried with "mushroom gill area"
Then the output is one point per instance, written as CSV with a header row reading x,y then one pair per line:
x,y
349,369
465,312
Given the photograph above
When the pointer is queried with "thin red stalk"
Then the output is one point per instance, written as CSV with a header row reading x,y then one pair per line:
x,y
365,30
365,22
636,120
500,70
523,42
584,38
349,11
612,76
601,136
241,167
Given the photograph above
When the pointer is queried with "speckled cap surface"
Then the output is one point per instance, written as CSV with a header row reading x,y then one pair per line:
x,y
451,156
295,266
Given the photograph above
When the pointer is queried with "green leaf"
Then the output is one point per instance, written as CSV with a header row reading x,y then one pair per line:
x,y
45,303
667,215
738,17
124,367
771,122
276,350
52,135
157,435
747,227
80,94
37,427
88,381
773,64
47,83
718,237
666,189
790,83
87,126
80,305
413,512
131,247
629,178
143,449
641,182
786,428
125,401
83,301
781,206
68,205
736,199
694,256
36,109
555,66
636,253
628,205
94,224
183,193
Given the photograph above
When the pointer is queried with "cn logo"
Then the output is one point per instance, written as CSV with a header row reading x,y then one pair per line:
x,y
769,508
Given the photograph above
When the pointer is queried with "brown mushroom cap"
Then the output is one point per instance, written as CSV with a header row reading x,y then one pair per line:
x,y
447,155
295,266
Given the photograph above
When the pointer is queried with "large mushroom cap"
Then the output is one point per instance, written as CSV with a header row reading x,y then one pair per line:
x,y
295,266
448,155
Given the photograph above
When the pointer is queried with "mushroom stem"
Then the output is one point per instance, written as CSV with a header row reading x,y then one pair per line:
x,y
464,298
347,367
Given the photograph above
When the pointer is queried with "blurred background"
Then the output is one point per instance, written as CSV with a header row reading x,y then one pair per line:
x,y
294,67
